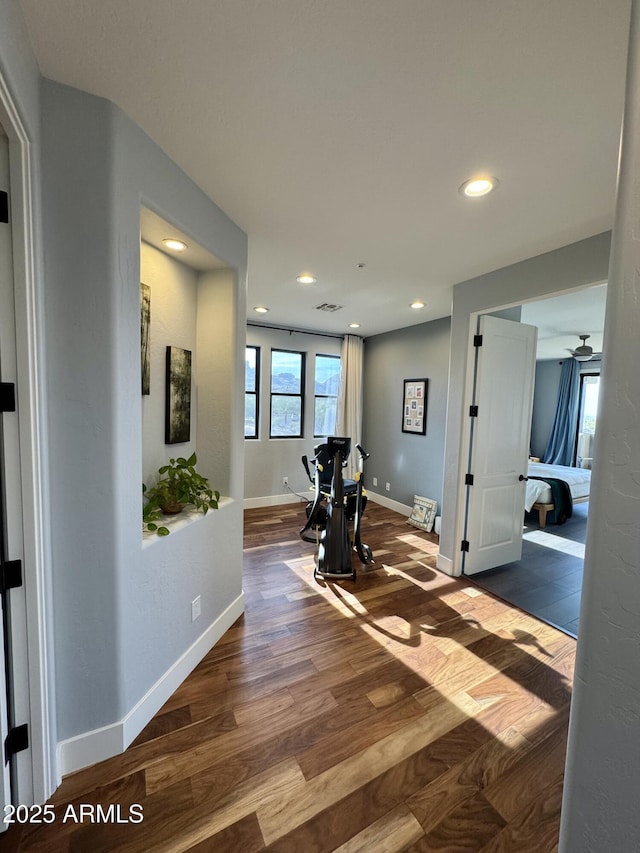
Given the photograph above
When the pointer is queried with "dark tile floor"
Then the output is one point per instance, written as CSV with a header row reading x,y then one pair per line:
x,y
547,581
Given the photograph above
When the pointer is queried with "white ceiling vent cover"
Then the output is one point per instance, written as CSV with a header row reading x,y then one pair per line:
x,y
328,306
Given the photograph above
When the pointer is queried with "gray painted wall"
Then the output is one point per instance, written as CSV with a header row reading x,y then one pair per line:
x,y
412,464
268,460
545,397
122,613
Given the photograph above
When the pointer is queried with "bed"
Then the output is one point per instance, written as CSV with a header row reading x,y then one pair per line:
x,y
540,494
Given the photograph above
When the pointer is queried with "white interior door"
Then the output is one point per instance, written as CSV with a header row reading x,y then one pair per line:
x,y
503,394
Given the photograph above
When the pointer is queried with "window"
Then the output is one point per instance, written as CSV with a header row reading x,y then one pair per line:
x,y
251,390
287,393
589,390
327,384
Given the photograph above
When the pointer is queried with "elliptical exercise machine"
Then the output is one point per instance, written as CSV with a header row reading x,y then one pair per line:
x,y
338,504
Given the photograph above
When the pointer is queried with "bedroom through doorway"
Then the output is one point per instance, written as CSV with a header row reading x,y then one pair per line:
x,y
547,580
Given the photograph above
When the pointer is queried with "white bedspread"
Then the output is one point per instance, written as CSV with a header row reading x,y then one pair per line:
x,y
579,480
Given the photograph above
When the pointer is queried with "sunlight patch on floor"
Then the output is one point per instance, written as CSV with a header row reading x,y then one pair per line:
x,y
404,639
555,542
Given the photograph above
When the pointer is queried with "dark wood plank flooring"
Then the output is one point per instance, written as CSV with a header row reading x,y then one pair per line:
x,y
407,711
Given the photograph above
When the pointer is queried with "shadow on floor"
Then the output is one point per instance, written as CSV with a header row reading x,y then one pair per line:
x,y
547,581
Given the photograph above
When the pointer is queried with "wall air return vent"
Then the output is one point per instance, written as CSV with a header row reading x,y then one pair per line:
x,y
328,306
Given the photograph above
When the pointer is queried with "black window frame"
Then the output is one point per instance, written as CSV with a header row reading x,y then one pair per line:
x,y
255,393
300,394
322,396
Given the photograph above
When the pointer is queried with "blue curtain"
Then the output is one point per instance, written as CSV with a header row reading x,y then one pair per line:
x,y
562,437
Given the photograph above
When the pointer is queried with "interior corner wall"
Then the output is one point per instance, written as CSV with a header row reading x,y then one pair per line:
x,y
268,460
216,347
412,464
174,301
562,270
122,612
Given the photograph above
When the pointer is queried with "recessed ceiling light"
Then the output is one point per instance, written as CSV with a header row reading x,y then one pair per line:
x,y
360,266
306,278
175,245
417,303
260,309
354,325
476,187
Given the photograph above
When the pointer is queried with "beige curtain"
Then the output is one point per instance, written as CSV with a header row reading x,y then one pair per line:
x,y
349,416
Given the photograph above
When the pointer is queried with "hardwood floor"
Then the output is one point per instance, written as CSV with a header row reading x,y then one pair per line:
x,y
405,711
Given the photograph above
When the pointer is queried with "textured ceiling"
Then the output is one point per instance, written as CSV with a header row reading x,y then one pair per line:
x,y
337,132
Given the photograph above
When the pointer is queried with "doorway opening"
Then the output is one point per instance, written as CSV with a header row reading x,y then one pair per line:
x,y
547,578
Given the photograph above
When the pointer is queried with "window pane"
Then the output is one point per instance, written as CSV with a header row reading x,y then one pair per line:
x,y
286,372
249,415
589,390
325,416
250,369
327,375
285,416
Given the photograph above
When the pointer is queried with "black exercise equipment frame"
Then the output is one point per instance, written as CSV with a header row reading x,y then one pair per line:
x,y
345,503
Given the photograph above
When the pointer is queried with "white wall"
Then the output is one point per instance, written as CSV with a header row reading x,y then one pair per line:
x,y
268,460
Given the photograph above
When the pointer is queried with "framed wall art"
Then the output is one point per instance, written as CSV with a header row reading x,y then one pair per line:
x,y
414,406
424,513
178,399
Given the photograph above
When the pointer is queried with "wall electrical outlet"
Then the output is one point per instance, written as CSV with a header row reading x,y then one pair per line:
x,y
375,481
285,481
196,608
388,486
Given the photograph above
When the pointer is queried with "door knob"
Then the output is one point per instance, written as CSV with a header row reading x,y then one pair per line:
x,y
522,477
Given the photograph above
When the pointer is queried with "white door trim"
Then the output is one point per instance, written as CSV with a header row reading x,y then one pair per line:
x,y
31,413
465,444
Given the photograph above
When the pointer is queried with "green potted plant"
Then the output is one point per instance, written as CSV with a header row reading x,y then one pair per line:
x,y
178,485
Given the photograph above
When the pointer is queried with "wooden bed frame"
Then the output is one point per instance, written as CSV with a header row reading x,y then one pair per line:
x,y
543,509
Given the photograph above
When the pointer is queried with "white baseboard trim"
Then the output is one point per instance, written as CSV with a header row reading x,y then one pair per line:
x,y
396,506
274,500
91,747
444,564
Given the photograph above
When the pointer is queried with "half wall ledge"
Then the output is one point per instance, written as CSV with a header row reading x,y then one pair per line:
x,y
174,523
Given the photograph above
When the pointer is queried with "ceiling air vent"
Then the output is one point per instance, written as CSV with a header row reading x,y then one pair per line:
x,y
328,306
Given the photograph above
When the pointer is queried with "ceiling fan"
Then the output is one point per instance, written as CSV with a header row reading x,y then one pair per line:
x,y
584,352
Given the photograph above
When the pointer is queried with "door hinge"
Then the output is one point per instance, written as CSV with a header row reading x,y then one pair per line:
x,y
468,479
464,546
16,741
473,411
10,574
477,340
4,206
7,397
